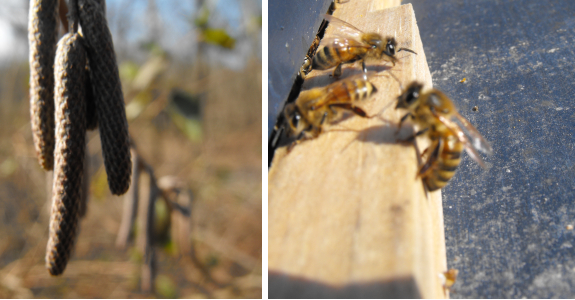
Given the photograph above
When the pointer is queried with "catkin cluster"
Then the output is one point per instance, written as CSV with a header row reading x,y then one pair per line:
x,y
74,87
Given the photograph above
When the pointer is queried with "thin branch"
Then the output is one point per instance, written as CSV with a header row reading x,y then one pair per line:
x,y
130,205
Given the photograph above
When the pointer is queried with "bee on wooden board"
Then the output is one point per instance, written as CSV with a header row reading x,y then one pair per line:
x,y
449,277
436,116
351,45
314,108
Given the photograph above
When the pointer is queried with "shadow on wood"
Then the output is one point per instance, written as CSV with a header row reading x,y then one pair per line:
x,y
291,287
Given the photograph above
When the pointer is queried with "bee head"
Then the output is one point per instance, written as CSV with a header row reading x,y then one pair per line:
x,y
410,96
375,41
390,46
293,118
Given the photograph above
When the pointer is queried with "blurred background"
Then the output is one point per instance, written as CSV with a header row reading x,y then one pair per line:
x,y
191,76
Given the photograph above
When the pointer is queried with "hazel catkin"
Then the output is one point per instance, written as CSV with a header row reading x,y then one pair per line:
x,y
107,88
42,39
70,115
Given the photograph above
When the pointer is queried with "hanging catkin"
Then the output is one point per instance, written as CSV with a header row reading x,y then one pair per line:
x,y
109,99
91,115
42,38
70,111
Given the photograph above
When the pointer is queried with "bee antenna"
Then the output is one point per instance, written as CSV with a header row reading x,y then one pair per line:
x,y
371,73
408,50
396,79
384,108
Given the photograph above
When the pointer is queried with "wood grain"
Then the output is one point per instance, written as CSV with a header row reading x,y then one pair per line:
x,y
347,215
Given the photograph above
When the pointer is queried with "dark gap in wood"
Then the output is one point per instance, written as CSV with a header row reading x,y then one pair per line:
x,y
278,130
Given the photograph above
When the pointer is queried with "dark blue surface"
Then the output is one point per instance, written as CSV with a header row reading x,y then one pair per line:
x,y
505,228
292,27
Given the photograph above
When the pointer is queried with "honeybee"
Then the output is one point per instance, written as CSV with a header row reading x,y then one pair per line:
x,y
450,133
314,108
449,277
351,45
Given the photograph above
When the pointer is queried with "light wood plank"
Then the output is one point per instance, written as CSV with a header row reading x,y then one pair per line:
x,y
347,215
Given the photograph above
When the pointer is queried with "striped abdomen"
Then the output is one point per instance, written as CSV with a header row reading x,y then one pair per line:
x,y
344,94
353,90
346,51
446,163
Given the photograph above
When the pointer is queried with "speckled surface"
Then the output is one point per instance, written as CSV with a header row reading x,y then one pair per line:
x,y
505,228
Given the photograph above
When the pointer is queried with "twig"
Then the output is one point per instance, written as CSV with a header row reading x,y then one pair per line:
x,y
146,224
130,205
144,205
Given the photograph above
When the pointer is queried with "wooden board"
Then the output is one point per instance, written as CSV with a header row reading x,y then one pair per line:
x,y
347,215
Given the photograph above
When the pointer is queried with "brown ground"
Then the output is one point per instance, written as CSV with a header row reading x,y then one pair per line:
x,y
223,170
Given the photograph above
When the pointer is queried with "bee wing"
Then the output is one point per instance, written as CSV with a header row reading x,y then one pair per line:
x,y
477,140
342,43
312,99
469,136
328,97
342,28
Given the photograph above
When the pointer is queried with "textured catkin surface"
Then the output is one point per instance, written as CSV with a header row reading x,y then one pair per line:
x,y
42,38
108,95
70,112
91,116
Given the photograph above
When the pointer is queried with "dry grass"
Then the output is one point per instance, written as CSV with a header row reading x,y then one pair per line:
x,y
223,171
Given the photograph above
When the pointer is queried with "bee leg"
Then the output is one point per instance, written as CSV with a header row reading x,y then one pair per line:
x,y
403,120
322,121
424,152
348,106
309,133
301,137
411,138
364,68
292,145
427,167
337,71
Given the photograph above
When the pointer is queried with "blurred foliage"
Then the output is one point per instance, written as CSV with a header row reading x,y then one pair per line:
x,y
218,37
161,222
153,48
165,287
186,110
8,167
99,184
128,70
190,127
188,121
214,36
201,21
